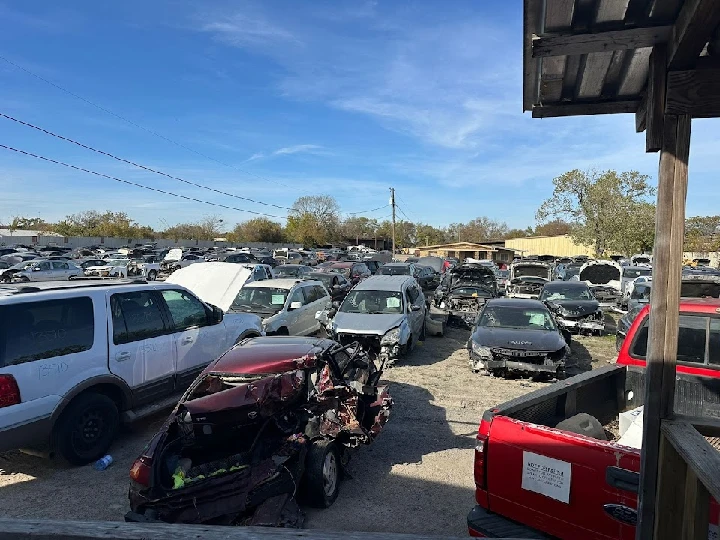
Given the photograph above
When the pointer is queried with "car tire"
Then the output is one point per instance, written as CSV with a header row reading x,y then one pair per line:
x,y
423,333
282,332
93,417
321,483
152,275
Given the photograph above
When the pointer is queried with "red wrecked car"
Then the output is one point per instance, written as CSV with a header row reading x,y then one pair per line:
x,y
271,418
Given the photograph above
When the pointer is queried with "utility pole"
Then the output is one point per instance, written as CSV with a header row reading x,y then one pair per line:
x,y
392,203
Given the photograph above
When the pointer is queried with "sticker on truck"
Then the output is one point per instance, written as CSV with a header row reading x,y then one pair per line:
x,y
547,476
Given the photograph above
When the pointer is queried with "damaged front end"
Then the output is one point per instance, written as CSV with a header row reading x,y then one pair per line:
x,y
245,440
579,317
528,287
503,361
463,305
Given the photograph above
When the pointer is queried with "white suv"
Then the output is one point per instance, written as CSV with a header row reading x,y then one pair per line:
x,y
287,306
78,358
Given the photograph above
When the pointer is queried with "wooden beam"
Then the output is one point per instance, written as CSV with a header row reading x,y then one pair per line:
x,y
553,110
692,30
532,21
636,74
558,14
641,115
593,74
706,425
696,508
55,529
565,44
655,99
695,92
664,309
672,473
702,458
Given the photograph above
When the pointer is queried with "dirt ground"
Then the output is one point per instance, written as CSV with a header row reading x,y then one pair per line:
x,y
416,478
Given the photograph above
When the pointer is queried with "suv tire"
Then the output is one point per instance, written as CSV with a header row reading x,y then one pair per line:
x,y
321,483
87,428
152,275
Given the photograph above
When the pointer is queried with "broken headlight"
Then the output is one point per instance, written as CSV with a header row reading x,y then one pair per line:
x,y
481,350
391,336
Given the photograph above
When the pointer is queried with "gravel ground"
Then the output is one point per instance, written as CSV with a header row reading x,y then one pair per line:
x,y
416,478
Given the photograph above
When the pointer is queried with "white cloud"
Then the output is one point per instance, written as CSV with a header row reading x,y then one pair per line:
x,y
240,29
298,148
255,156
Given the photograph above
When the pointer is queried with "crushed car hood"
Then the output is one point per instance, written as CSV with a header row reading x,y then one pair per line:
x,y
359,323
510,338
576,308
216,283
601,273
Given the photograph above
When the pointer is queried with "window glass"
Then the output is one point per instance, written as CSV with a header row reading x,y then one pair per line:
x,y
44,266
691,340
320,292
297,296
186,310
413,294
311,294
136,316
714,343
59,265
36,330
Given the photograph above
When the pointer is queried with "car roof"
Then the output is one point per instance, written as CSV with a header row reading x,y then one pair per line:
x,y
266,353
279,283
78,284
383,283
398,264
521,303
292,266
696,305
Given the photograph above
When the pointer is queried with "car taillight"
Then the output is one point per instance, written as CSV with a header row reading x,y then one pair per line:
x,y
141,470
481,445
9,391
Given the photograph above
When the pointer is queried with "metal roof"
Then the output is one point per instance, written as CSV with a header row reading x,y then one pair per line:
x,y
592,56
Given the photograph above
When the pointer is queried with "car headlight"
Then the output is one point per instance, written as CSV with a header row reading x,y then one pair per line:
x,y
481,350
442,305
391,337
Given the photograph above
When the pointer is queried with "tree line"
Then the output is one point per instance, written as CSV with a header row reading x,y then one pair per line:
x,y
614,212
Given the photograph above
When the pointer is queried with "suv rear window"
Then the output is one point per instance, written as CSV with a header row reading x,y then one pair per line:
x,y
37,330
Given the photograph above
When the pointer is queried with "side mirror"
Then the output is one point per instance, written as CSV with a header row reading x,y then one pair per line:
x,y
217,314
414,307
295,305
35,269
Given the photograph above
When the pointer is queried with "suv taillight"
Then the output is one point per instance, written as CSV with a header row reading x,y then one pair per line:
x,y
141,470
9,391
481,444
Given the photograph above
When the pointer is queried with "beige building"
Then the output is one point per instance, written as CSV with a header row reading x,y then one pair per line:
x,y
464,250
560,246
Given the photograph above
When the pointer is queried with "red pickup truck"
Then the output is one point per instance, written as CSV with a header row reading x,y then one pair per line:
x,y
535,479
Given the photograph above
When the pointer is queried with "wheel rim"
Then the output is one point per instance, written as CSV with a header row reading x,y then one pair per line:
x,y
330,474
90,428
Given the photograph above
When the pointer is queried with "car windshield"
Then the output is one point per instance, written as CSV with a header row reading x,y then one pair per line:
x,y
345,271
632,273
260,300
326,279
568,293
571,271
641,292
373,302
394,270
502,273
292,271
516,317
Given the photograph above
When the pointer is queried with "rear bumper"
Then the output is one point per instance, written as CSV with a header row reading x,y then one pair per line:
x,y
482,524
29,434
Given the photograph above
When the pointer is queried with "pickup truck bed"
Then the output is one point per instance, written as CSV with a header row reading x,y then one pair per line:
x,y
564,484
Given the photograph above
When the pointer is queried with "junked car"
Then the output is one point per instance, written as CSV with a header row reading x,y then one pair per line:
x,y
384,314
628,275
463,291
518,337
292,271
287,306
603,278
109,268
527,279
272,418
42,270
574,306
336,284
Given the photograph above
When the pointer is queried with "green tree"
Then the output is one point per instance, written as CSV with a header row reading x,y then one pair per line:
x,y
257,230
702,233
359,227
556,227
601,206
29,223
314,220
208,228
427,235
109,224
477,230
519,233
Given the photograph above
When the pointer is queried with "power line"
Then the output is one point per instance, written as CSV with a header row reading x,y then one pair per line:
x,y
402,201
402,212
363,211
123,160
147,130
136,184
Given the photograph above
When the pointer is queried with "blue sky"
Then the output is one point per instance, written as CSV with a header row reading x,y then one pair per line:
x,y
273,100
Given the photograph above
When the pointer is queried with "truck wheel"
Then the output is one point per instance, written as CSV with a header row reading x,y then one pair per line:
x,y
322,474
282,332
86,428
561,375
152,275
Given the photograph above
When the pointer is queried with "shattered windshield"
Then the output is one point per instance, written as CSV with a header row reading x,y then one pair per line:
x,y
568,293
510,317
373,302
260,300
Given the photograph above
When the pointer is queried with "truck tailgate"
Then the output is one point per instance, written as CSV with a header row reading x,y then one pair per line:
x,y
557,481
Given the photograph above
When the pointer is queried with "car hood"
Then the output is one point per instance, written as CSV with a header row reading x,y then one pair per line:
x,y
540,270
360,323
579,308
510,338
601,273
216,283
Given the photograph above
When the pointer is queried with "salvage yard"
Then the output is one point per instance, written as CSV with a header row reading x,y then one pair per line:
x,y
416,478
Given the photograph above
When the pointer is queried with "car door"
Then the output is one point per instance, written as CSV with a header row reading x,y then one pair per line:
x,y
306,315
141,345
416,318
318,299
293,317
42,271
60,270
198,339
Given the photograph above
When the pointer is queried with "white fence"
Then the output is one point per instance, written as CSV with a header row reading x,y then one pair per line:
x,y
113,243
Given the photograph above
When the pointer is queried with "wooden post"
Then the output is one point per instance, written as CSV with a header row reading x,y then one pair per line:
x,y
664,309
